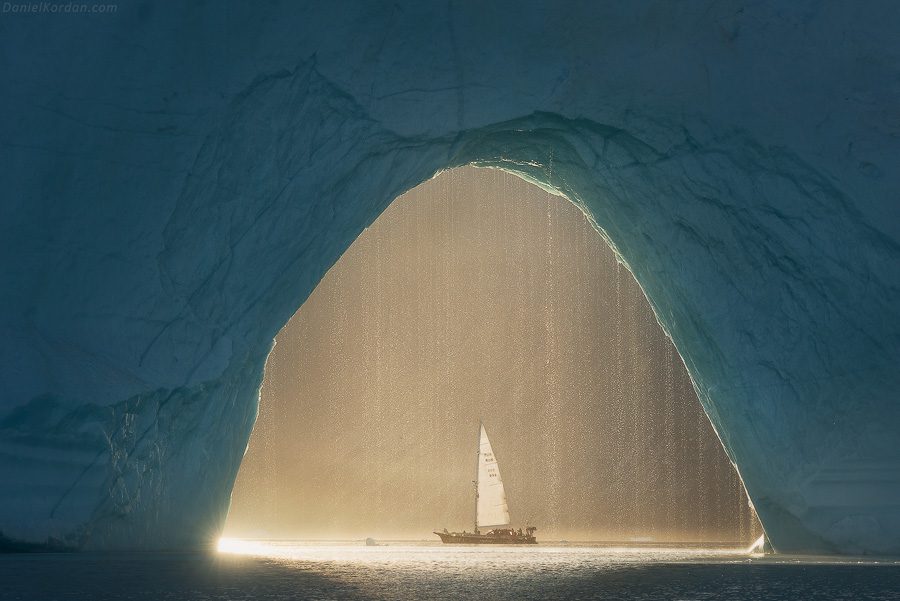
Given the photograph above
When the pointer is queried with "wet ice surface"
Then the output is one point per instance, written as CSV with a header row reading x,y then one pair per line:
x,y
426,571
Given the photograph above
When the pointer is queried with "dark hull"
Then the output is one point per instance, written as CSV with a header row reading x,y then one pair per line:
x,y
470,538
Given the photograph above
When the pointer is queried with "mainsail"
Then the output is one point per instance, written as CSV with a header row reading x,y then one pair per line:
x,y
491,507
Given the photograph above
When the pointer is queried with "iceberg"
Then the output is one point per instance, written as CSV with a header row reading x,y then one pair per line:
x,y
177,179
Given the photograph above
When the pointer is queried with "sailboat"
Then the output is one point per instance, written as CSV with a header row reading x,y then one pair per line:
x,y
491,508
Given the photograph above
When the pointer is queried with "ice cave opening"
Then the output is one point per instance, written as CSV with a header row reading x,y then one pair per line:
x,y
479,296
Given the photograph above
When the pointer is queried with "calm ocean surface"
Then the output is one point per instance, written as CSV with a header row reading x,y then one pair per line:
x,y
295,570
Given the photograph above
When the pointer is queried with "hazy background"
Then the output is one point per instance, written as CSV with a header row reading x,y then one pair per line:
x,y
480,296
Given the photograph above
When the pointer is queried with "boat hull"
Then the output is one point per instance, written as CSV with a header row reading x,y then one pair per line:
x,y
470,538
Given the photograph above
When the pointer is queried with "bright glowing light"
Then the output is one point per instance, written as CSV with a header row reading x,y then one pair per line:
x,y
758,546
407,552
242,547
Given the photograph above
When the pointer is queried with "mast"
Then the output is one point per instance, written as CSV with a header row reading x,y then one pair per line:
x,y
477,469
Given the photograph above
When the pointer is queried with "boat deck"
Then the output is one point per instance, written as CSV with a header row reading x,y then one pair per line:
x,y
471,538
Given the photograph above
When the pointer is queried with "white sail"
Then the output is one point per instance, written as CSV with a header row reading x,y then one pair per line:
x,y
491,507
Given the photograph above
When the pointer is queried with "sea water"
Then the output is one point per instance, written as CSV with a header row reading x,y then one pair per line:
x,y
402,570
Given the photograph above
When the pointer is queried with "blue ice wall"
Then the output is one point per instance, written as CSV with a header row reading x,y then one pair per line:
x,y
177,179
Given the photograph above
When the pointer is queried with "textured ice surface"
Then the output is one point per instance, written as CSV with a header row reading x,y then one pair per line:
x,y
178,178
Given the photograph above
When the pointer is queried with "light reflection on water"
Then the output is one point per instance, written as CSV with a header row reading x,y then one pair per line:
x,y
420,570
270,570
414,553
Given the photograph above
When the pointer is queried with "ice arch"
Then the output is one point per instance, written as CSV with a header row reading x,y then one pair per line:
x,y
176,180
